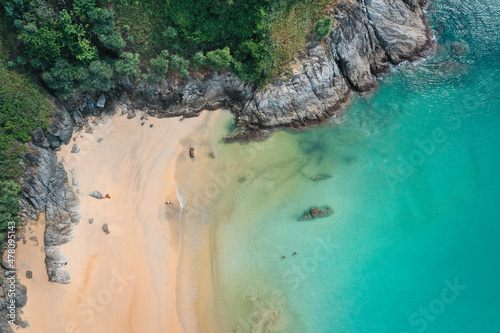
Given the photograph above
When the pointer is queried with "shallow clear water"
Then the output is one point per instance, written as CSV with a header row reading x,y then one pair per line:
x,y
413,244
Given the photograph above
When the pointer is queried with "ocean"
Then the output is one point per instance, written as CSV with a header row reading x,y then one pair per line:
x,y
411,172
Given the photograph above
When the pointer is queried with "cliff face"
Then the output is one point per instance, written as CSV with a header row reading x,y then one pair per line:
x,y
46,189
368,36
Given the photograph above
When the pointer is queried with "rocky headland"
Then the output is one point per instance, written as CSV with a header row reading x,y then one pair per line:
x,y
368,36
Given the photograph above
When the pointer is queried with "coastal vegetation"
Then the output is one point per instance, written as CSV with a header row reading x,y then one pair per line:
x,y
85,45
23,108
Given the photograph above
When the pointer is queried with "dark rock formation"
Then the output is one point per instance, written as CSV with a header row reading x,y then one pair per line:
x,y
60,127
105,228
316,212
75,149
46,189
191,152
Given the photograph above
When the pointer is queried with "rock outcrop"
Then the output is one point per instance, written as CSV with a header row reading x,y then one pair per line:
x,y
46,189
316,212
9,284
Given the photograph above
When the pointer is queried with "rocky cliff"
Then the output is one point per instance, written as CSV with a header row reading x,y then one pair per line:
x,y
368,36
46,189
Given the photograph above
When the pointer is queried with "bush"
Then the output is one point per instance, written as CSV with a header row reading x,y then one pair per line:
x,y
323,27
158,67
170,34
199,60
220,58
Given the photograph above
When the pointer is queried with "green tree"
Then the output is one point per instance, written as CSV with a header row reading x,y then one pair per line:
x,y
60,78
99,77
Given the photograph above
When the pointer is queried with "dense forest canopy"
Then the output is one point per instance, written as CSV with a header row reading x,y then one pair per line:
x,y
86,44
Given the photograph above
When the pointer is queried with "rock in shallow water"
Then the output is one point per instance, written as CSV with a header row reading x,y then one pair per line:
x,y
316,212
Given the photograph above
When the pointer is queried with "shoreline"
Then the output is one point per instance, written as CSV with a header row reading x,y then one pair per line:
x,y
173,98
144,232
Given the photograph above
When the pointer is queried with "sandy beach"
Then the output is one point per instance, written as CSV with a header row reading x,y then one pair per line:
x,y
125,281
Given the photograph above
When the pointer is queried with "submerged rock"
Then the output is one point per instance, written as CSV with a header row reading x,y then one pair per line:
x,y
316,212
320,177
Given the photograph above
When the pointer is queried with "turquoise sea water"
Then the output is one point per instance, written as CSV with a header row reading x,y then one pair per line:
x,y
414,241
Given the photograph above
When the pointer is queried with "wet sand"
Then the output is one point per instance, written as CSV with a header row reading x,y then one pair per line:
x,y
125,281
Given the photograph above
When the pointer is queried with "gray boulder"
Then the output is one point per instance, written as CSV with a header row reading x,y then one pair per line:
x,y
96,194
60,125
101,101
